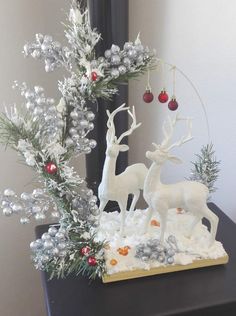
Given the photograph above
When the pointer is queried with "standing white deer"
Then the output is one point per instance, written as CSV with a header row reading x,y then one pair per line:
x,y
118,187
190,195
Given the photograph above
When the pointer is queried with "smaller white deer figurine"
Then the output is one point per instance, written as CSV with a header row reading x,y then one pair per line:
x,y
118,187
190,195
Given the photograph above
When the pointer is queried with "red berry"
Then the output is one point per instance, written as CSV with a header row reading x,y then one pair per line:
x,y
92,261
148,96
173,104
50,168
163,97
94,76
85,250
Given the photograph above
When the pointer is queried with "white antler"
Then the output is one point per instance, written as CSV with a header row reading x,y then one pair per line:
x,y
184,139
133,126
168,129
111,132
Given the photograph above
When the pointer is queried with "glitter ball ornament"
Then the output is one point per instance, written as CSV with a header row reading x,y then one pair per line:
x,y
163,96
173,104
85,251
94,76
148,96
92,261
50,168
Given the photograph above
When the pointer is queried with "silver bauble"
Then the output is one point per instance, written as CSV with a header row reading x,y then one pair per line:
x,y
74,123
91,126
90,116
127,62
161,258
115,59
74,115
52,231
83,123
122,69
92,143
115,73
75,137
48,244
128,45
24,220
115,49
29,95
60,236
69,142
170,260
45,47
26,196
17,208
107,54
7,211
132,54
9,192
170,252
87,150
45,237
73,131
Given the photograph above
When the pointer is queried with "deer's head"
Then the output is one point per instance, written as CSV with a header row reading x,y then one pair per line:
x,y
162,151
114,145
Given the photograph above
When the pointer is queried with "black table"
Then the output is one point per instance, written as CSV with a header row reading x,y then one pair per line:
x,y
206,291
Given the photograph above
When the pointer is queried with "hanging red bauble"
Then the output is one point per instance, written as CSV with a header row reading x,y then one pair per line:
x,y
173,104
94,76
163,96
148,96
50,168
92,261
85,250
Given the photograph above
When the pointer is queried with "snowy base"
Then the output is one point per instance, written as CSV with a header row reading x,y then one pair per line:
x,y
190,250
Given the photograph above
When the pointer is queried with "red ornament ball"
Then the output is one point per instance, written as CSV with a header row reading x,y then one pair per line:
x,y
94,76
92,261
148,96
50,168
163,97
173,104
85,250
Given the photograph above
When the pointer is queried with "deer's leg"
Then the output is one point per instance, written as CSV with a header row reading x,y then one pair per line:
x,y
163,217
102,205
134,201
148,219
122,205
214,220
195,221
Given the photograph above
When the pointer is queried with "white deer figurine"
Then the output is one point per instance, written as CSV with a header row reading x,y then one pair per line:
x,y
190,195
117,187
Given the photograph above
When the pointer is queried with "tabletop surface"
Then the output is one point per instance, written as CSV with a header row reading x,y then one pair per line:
x,y
205,291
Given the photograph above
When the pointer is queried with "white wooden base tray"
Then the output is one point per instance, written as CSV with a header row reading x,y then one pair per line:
x,y
138,273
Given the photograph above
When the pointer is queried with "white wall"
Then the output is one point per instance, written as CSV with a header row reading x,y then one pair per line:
x,y
200,38
20,286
